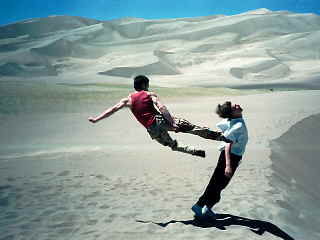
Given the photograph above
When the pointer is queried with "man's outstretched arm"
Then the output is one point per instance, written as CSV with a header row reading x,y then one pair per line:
x,y
123,103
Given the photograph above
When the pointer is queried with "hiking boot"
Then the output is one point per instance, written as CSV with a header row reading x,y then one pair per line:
x,y
199,153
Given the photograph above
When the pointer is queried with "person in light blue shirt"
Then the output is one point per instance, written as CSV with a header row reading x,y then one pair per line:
x,y
234,129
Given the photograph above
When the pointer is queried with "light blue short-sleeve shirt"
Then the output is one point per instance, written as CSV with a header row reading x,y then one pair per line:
x,y
236,131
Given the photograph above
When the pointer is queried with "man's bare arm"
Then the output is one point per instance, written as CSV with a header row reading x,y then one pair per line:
x,y
228,169
163,109
123,103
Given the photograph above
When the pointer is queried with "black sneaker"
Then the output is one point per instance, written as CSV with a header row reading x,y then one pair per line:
x,y
207,212
174,145
200,153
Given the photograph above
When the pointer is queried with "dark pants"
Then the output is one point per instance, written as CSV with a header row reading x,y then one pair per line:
x,y
218,181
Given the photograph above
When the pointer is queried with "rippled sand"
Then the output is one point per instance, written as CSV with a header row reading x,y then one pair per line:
x,y
63,178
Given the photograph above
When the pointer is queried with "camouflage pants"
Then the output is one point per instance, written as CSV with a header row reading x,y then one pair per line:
x,y
159,132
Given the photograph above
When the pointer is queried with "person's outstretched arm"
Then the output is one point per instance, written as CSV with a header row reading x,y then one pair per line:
x,y
163,109
123,103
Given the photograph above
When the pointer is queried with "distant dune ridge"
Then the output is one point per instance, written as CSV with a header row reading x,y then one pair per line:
x,y
256,46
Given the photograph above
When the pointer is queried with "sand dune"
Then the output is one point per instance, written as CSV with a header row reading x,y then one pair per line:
x,y
39,27
63,178
259,46
262,70
157,68
295,163
27,70
301,160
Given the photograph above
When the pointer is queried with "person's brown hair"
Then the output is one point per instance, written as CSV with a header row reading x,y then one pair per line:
x,y
224,110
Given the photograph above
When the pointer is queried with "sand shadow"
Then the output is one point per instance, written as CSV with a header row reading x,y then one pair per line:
x,y
223,220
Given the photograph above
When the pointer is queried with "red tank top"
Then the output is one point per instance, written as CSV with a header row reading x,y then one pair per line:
x,y
143,109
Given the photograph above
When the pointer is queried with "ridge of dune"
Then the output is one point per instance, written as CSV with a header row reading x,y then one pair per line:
x,y
258,45
258,11
36,27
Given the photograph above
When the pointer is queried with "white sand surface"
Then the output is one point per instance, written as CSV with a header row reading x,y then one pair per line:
x,y
63,178
110,181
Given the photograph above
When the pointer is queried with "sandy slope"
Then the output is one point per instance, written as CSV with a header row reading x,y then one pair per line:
x,y
250,48
296,152
111,181
62,178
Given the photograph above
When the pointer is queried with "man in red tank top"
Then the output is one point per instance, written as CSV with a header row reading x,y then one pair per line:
x,y
156,118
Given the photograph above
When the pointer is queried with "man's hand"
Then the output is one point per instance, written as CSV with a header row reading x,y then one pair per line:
x,y
228,172
92,119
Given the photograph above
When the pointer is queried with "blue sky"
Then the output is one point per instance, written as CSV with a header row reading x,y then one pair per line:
x,y
17,10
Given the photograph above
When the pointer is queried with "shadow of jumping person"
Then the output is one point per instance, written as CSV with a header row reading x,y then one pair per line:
x,y
223,220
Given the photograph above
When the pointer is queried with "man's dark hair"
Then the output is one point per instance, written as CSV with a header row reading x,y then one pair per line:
x,y
224,110
139,82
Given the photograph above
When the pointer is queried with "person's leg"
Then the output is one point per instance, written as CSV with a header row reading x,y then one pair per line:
x,y
165,139
218,181
211,193
185,126
159,132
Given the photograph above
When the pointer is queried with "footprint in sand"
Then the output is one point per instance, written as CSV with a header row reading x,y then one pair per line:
x,y
92,222
4,202
80,175
11,215
92,204
88,233
100,177
8,237
64,174
47,173
40,189
104,206
4,187
110,218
